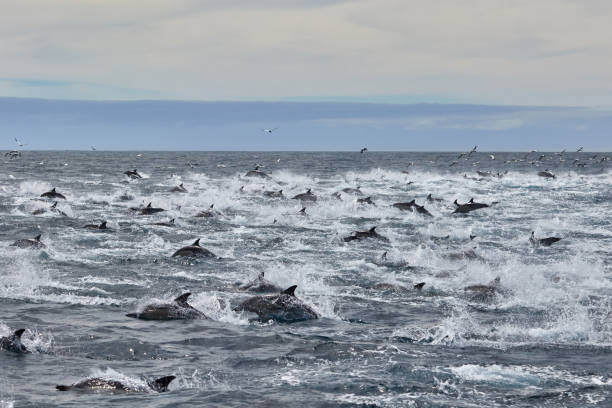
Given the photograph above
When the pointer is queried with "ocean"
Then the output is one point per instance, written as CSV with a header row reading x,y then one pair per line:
x,y
536,332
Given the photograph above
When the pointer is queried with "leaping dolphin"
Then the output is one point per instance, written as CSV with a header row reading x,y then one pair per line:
x,y
307,196
413,206
194,250
104,384
133,174
102,226
53,208
260,285
179,189
546,174
469,206
209,213
356,191
283,307
359,235
148,210
13,342
53,194
179,309
257,173
542,241
367,200
33,243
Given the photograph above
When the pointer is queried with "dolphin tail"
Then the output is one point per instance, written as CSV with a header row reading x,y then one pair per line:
x,y
161,384
62,387
289,291
183,298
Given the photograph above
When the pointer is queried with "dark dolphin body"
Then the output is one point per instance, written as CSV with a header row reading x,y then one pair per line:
x,y
178,189
278,193
356,191
469,206
133,174
366,200
177,310
209,213
102,226
542,241
150,210
432,199
257,173
413,206
13,342
485,293
33,243
359,235
53,208
194,250
102,384
389,287
546,174
166,224
260,285
307,196
53,194
283,307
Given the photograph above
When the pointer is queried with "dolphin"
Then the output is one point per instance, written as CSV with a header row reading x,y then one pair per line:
x,y
133,174
102,226
356,191
484,173
485,292
337,196
33,243
150,210
359,235
278,193
302,211
283,307
367,200
542,241
546,174
469,206
53,194
307,196
257,173
413,206
432,199
260,285
397,288
209,213
194,250
53,208
13,342
178,189
103,384
179,309
166,224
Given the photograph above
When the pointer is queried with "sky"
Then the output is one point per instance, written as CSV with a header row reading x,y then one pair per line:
x,y
546,53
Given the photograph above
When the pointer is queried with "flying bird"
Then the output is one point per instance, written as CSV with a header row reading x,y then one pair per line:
x,y
269,130
577,151
492,157
93,148
19,143
365,149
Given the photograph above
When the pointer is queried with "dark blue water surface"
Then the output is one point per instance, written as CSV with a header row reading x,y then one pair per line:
x,y
542,337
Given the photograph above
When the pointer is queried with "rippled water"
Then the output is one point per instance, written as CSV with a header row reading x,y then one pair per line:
x,y
543,339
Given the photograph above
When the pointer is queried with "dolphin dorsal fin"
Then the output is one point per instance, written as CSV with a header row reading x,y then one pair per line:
x,y
37,238
289,291
149,205
456,203
429,195
211,206
308,191
411,202
171,221
183,298
471,200
181,185
19,332
53,190
102,225
303,210
161,384
261,275
54,205
280,191
196,243
373,229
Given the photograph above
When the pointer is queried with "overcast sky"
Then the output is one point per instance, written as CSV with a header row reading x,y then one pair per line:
x,y
524,52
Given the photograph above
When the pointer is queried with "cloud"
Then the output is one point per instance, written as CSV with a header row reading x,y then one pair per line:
x,y
516,52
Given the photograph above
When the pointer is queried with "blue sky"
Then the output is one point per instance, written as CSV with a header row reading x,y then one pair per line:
x,y
479,52
185,125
